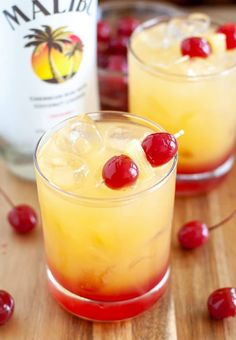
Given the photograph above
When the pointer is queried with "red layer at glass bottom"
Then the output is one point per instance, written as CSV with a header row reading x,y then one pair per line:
x,y
204,181
103,310
91,286
187,188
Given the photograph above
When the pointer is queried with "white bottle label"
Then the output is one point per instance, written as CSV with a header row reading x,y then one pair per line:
x,y
48,66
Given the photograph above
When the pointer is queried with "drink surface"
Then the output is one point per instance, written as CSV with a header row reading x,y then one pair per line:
x,y
193,94
159,47
103,244
74,156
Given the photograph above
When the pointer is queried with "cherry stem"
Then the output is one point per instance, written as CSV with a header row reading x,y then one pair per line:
x,y
9,201
179,134
228,218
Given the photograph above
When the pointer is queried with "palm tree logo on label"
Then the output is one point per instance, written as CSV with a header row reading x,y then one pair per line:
x,y
57,53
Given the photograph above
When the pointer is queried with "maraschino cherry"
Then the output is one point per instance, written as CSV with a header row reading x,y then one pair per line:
x,y
222,303
119,172
195,233
195,47
159,148
6,306
117,63
229,30
22,217
118,46
103,31
126,26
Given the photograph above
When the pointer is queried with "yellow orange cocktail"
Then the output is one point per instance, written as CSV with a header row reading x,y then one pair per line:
x,y
193,93
107,250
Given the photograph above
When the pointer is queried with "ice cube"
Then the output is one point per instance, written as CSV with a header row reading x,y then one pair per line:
x,y
199,67
197,23
69,179
174,31
80,136
56,161
153,37
63,177
81,173
135,151
58,143
119,136
85,136
82,146
181,28
50,157
67,171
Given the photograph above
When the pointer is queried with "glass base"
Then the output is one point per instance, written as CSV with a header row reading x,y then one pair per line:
x,y
198,183
106,311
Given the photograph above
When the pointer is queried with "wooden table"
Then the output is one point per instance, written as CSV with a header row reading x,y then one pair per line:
x,y
181,314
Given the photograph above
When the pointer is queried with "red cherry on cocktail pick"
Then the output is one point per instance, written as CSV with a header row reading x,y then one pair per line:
x,y
229,30
195,47
222,303
195,233
160,147
119,172
6,306
22,217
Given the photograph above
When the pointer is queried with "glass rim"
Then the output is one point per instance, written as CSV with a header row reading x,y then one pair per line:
x,y
91,199
140,4
160,72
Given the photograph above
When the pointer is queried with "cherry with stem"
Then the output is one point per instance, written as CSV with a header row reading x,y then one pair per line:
x,y
22,217
225,220
195,233
7,198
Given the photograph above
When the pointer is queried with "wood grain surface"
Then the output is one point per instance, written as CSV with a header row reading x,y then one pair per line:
x,y
181,314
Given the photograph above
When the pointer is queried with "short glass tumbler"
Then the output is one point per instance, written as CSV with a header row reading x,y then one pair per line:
x,y
203,105
107,258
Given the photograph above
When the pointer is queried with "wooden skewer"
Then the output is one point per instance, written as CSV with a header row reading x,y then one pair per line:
x,y
179,133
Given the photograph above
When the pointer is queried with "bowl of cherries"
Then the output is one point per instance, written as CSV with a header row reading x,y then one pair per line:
x,y
116,22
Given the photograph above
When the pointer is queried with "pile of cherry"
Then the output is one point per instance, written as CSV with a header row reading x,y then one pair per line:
x,y
119,172
112,43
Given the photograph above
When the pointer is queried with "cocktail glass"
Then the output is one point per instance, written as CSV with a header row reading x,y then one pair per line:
x,y
107,250
113,88
201,103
